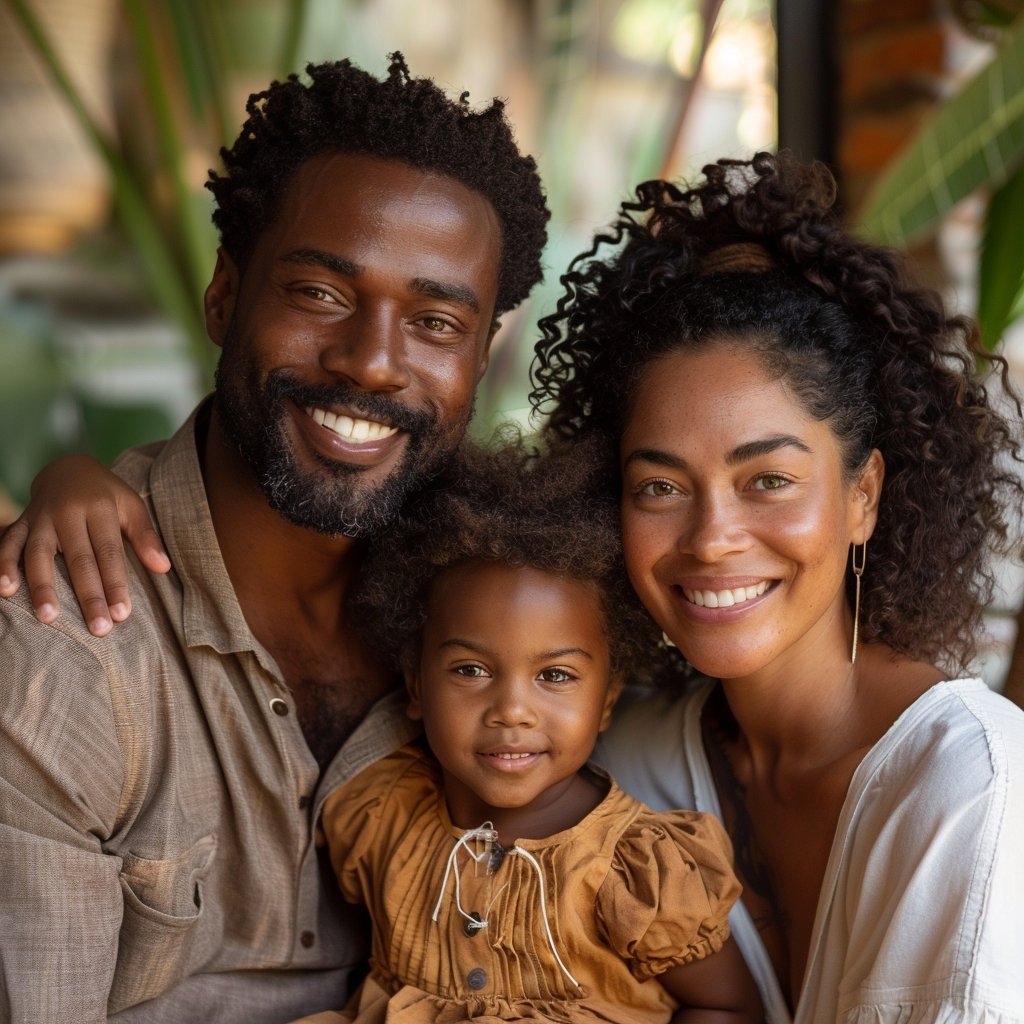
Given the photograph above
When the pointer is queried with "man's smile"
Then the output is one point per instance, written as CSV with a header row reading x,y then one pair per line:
x,y
350,428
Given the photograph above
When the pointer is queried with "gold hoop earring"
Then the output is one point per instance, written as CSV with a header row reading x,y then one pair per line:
x,y
858,571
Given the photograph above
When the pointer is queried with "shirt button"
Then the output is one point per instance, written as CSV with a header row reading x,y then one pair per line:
x,y
307,939
279,707
303,802
476,979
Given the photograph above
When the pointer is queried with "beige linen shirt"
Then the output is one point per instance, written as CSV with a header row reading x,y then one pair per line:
x,y
158,855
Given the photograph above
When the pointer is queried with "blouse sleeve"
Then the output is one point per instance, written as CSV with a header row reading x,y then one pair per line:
x,y
352,815
666,899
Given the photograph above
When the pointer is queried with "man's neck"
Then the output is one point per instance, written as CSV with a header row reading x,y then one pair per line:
x,y
274,565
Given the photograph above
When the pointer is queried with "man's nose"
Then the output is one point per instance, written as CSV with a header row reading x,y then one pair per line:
x,y
368,349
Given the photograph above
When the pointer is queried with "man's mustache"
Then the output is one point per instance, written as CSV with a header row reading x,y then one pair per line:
x,y
282,386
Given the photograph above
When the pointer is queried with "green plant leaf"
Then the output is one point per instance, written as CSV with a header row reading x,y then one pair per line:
x,y
974,139
1001,275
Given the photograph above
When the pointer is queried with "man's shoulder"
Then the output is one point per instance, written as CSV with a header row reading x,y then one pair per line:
x,y
134,465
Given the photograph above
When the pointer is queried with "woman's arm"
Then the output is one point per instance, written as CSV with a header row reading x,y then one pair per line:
x,y
716,990
81,509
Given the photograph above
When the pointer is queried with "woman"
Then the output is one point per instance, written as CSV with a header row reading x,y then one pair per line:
x,y
811,481
773,396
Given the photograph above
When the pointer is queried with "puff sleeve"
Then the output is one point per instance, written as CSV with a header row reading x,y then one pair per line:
x,y
666,899
352,818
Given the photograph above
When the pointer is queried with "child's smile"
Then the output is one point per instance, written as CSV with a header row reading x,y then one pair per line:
x,y
513,686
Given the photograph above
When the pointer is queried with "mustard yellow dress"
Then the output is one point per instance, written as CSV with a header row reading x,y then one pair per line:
x,y
573,928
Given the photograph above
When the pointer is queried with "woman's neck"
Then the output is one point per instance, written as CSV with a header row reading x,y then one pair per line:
x,y
812,706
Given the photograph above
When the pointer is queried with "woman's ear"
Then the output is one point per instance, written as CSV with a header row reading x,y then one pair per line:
x,y
411,672
615,686
867,493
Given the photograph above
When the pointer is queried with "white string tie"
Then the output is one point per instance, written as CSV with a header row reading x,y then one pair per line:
x,y
487,833
544,909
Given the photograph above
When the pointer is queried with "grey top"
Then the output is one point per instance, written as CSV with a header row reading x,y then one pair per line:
x,y
159,854
919,918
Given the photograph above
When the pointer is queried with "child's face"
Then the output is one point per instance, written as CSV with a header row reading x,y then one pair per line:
x,y
514,662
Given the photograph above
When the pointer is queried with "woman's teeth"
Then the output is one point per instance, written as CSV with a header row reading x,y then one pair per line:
x,y
349,429
725,598
513,757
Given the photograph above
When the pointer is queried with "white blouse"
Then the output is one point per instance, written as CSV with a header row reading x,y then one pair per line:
x,y
920,919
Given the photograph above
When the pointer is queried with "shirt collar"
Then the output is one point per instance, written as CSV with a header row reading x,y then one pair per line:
x,y
211,613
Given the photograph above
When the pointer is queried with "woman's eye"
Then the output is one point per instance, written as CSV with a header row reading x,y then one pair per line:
x,y
472,671
556,675
770,482
658,488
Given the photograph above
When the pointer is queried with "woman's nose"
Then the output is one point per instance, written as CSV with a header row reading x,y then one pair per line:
x,y
714,529
368,349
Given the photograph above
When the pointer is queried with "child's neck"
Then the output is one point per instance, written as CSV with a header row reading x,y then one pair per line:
x,y
558,808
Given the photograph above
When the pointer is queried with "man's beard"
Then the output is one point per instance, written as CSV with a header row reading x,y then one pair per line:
x,y
331,500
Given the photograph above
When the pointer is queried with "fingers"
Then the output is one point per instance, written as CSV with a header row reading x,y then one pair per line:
x,y
40,549
94,557
12,542
138,528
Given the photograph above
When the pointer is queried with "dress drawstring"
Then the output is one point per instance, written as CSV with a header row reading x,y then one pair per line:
x,y
487,833
544,909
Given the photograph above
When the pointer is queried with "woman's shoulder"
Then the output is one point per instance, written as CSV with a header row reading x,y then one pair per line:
x,y
957,739
646,747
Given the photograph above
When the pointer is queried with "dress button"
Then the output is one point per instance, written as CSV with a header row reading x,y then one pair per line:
x,y
472,927
303,803
279,707
476,979
307,939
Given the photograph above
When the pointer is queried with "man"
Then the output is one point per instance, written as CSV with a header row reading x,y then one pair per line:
x,y
159,786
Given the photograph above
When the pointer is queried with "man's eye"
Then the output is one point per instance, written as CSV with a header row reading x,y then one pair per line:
x,y
658,488
556,675
436,324
770,482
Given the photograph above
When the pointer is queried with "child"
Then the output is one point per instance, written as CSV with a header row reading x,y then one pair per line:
x,y
506,878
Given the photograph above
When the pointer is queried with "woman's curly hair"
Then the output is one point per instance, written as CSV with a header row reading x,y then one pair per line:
x,y
859,346
347,110
507,503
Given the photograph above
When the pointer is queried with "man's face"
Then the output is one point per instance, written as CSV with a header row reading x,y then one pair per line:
x,y
355,337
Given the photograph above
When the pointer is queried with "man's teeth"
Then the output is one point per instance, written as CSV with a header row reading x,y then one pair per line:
x,y
513,757
725,598
349,429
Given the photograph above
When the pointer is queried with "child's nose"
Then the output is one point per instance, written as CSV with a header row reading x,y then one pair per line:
x,y
511,706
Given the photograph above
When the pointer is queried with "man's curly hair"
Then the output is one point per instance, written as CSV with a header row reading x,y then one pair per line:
x,y
507,503
347,110
857,344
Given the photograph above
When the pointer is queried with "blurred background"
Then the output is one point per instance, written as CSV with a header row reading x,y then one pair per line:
x,y
112,112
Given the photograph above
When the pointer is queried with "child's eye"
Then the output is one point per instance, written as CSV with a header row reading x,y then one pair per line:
x,y
769,482
472,671
556,675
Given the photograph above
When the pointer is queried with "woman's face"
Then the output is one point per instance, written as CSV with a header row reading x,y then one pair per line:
x,y
737,517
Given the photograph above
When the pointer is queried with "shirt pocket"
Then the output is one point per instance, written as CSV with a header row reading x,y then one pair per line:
x,y
163,902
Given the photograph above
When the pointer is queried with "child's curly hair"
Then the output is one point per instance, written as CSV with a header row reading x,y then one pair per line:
x,y
755,256
506,502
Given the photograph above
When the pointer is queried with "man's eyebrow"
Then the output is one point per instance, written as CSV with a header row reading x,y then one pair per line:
x,y
444,290
765,446
327,260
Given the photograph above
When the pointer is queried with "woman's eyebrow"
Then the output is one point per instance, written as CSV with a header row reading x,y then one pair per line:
x,y
764,446
657,458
